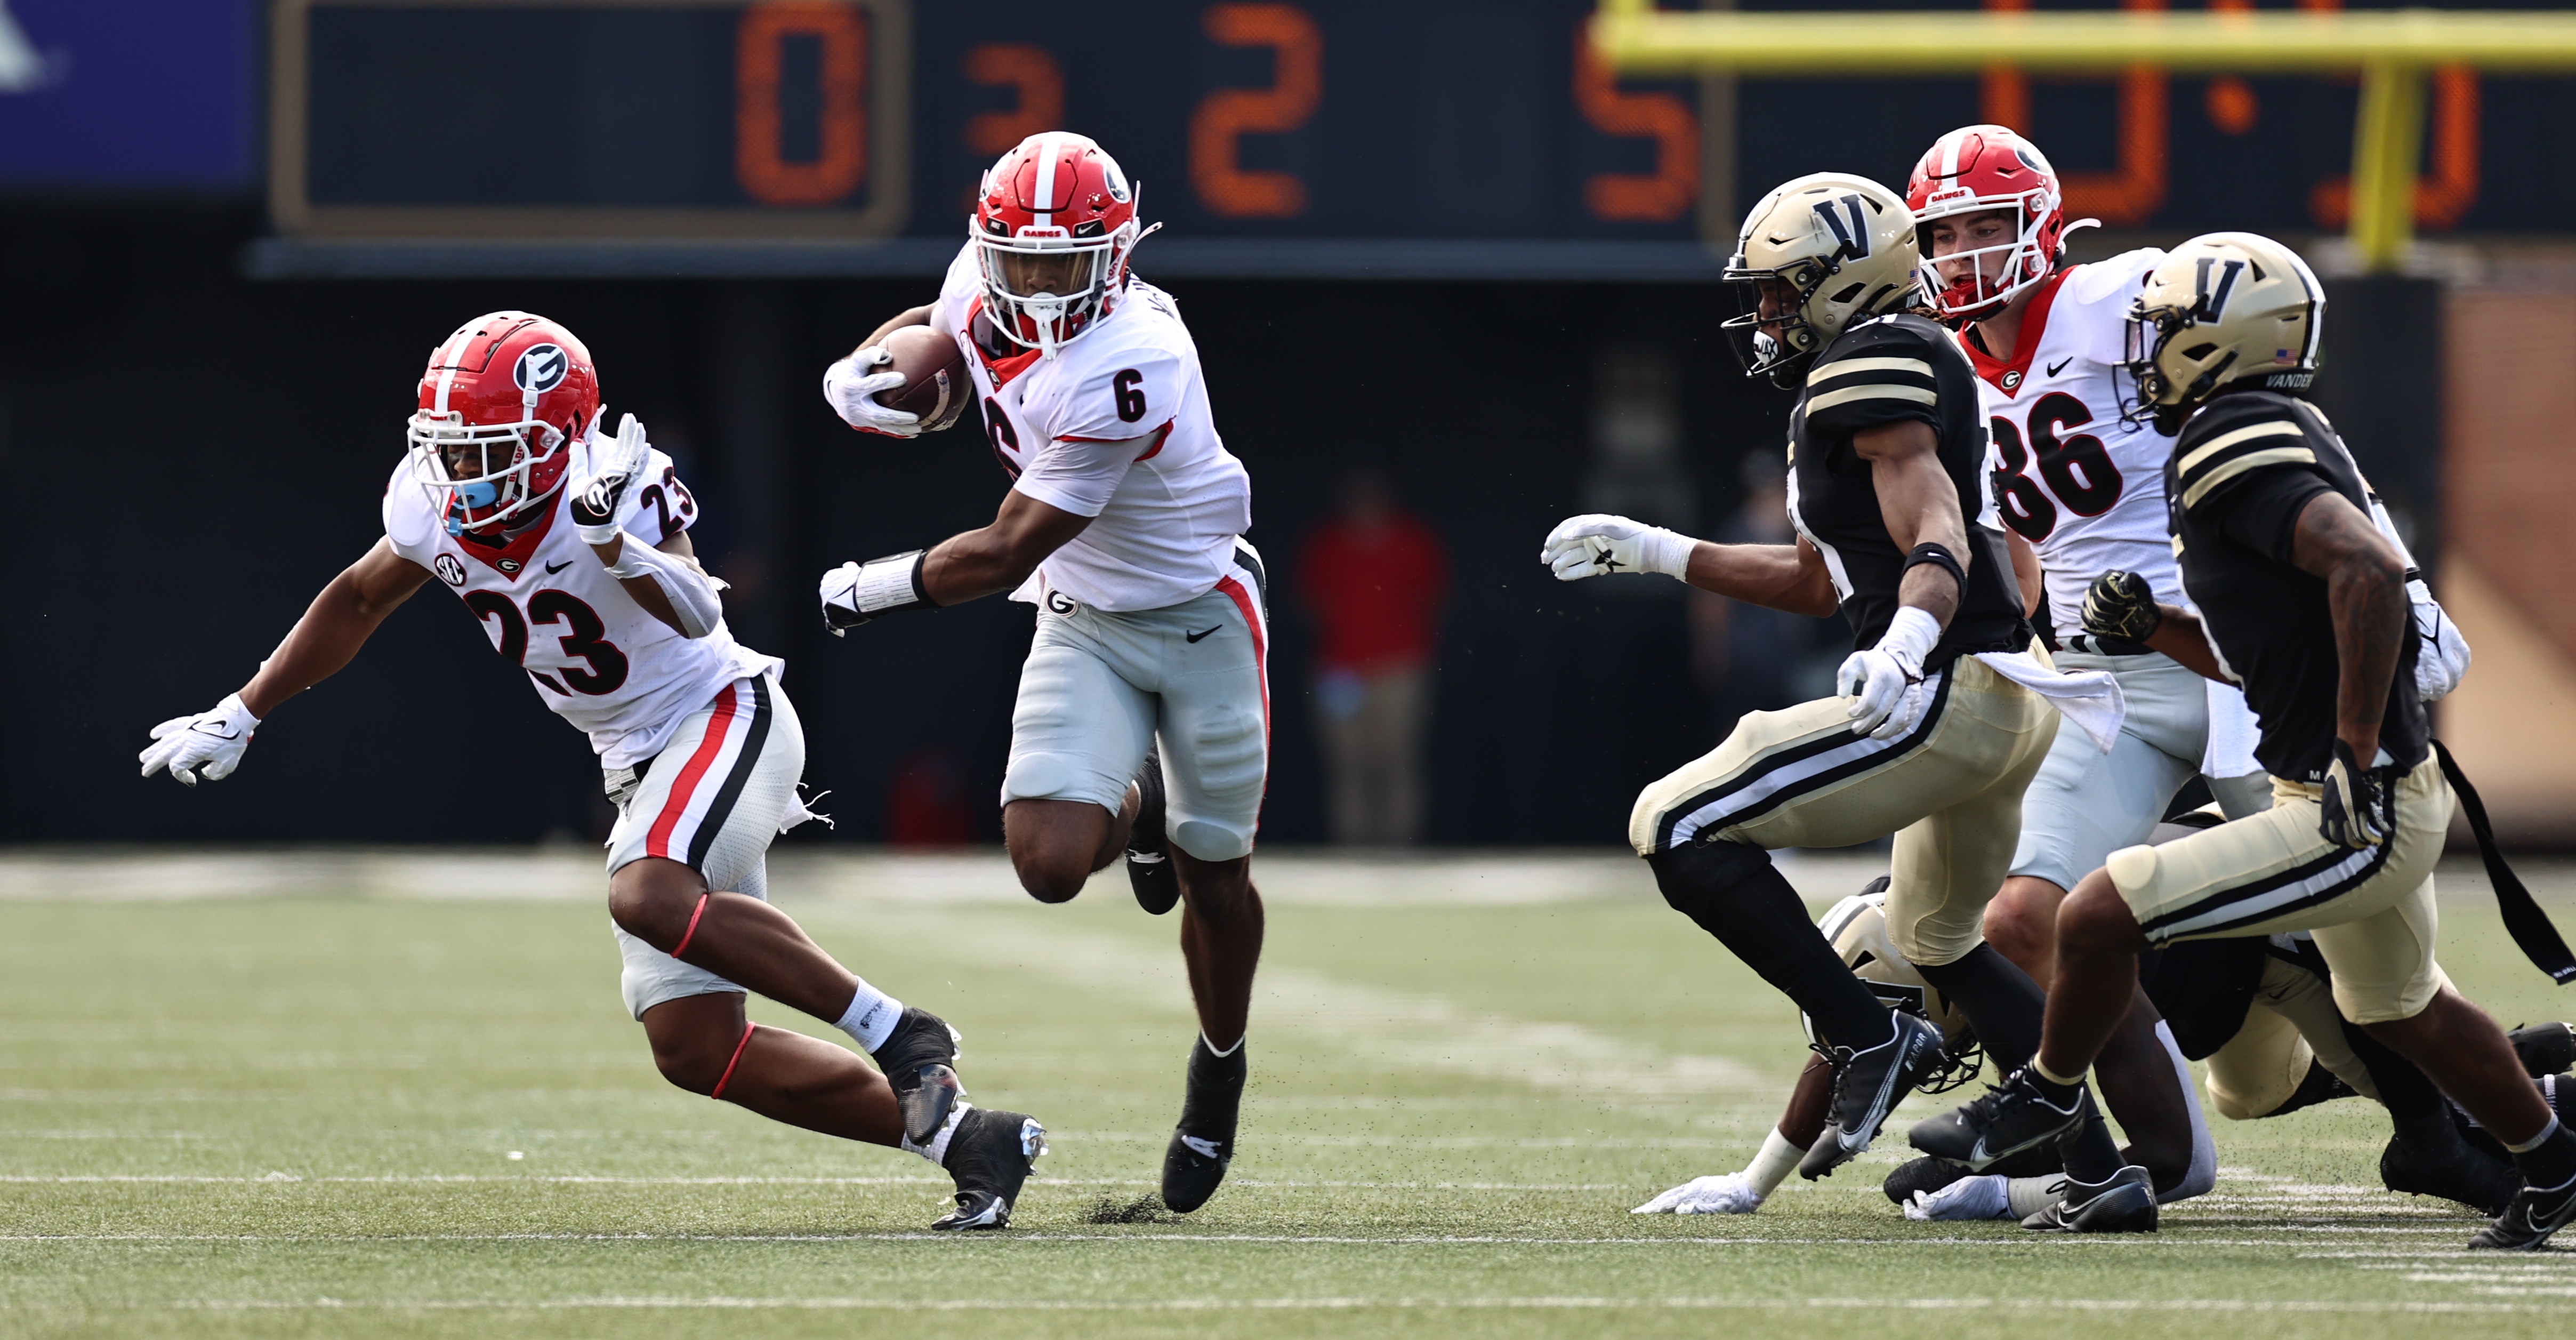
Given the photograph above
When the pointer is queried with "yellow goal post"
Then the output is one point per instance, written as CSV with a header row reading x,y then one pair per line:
x,y
2392,51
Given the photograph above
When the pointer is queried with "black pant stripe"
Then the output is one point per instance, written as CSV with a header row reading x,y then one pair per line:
x,y
2295,874
721,808
1769,763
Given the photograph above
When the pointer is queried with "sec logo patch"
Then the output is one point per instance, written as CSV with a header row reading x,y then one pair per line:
x,y
450,569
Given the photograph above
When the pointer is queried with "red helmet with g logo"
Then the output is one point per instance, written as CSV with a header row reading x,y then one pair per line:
x,y
1972,170
500,404
1054,228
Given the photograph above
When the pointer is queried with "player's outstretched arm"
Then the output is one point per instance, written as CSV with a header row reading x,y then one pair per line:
x,y
339,621
963,567
1778,576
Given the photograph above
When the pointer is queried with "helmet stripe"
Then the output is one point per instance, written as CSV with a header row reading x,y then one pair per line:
x,y
1950,152
1046,181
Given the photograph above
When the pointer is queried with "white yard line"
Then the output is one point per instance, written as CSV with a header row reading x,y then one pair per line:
x,y
1295,1304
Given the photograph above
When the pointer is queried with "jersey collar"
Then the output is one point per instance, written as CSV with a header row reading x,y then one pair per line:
x,y
511,559
2008,377
1001,369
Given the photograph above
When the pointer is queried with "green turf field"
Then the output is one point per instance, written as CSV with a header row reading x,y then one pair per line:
x,y
396,1095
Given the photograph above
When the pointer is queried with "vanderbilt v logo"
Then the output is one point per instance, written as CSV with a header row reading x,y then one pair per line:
x,y
1853,236
2213,302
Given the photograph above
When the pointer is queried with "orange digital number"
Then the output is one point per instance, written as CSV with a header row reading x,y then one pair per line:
x,y
759,43
1039,81
2129,195
1672,188
1296,86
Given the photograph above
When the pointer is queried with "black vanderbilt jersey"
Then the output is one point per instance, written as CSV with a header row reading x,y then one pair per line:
x,y
1879,372
2241,472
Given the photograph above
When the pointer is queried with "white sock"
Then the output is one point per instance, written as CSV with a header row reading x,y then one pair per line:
x,y
871,1018
2538,1140
1770,1167
937,1150
2029,1195
2203,1173
1212,1047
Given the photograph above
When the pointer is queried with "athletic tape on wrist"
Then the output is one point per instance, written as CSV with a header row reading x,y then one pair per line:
x,y
895,582
1939,555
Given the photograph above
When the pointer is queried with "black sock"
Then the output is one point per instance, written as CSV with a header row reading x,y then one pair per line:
x,y
2551,1164
2407,1092
2091,1156
1734,893
2432,1135
2001,1001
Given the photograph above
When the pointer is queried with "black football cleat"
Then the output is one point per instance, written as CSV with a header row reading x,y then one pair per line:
x,y
2007,1119
2529,1220
1149,850
2545,1049
1923,1174
1867,1086
1202,1145
990,1154
2125,1204
919,1059
2459,1173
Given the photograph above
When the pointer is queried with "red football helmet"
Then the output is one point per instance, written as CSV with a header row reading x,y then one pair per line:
x,y
500,404
1971,170
1054,228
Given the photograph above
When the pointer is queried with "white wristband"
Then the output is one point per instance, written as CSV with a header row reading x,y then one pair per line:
x,y
1666,551
1770,1167
891,583
1911,635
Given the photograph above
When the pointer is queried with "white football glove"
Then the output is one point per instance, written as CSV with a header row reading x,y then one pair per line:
x,y
604,495
852,385
1984,1197
1885,683
1725,1193
210,744
1597,543
2442,655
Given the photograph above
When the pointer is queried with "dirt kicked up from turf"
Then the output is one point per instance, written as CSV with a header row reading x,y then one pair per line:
x,y
386,1094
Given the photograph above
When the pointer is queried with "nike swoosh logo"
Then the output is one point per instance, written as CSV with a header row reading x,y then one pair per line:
x,y
1206,1149
2058,365
1193,637
553,568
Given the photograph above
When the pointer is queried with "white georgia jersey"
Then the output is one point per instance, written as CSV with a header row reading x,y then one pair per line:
x,y
1115,427
2084,487
624,677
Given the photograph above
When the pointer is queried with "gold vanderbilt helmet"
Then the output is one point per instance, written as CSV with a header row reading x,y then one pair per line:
x,y
2222,309
1816,255
1857,926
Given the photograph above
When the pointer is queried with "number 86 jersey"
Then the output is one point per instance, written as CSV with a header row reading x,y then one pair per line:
x,y
596,657
2085,488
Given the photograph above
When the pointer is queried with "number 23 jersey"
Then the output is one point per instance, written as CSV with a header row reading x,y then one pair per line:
x,y
2083,487
596,657
1115,427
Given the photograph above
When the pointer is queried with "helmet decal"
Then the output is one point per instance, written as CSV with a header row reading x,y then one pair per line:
x,y
541,368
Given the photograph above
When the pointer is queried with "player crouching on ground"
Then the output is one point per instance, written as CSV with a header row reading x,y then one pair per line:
x,y
1943,715
2295,588
1143,720
572,549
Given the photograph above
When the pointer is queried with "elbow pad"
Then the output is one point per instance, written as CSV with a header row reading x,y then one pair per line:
x,y
691,591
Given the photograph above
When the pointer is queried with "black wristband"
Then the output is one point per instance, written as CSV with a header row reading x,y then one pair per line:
x,y
1939,555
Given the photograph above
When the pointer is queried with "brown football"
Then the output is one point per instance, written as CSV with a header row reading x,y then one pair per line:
x,y
935,385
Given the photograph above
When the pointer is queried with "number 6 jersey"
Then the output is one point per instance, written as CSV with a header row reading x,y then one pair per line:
x,y
1115,427
624,677
2085,488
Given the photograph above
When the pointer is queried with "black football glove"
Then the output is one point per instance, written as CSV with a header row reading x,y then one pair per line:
x,y
2358,808
2121,604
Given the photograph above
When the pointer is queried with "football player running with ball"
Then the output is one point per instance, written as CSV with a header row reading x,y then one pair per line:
x,y
1143,721
2082,485
2293,589
1943,714
572,549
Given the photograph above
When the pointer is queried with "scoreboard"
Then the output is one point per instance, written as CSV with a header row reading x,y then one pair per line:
x,y
1272,136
